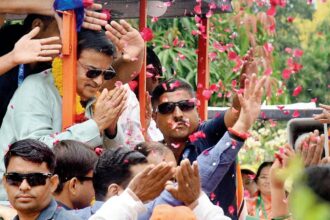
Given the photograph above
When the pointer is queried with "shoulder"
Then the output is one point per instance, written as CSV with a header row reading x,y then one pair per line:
x,y
67,215
37,83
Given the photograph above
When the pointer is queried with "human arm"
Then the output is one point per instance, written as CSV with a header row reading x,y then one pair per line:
x,y
35,111
108,108
324,117
44,7
279,202
130,52
143,187
29,50
188,190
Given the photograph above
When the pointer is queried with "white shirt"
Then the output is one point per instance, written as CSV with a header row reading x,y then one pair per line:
x,y
129,129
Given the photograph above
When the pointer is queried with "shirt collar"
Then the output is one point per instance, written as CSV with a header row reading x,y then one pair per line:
x,y
47,213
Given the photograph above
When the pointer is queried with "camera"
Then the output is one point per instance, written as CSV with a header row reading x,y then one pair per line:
x,y
298,129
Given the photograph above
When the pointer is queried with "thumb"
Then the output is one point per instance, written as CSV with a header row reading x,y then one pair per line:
x,y
171,189
103,95
35,31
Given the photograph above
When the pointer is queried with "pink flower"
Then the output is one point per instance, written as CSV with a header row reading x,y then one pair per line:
x,y
290,19
271,11
231,210
198,9
207,94
232,55
286,74
147,34
268,47
298,53
195,136
296,114
297,91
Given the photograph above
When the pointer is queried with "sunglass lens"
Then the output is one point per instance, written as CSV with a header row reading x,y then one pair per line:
x,y
109,74
93,73
14,179
166,108
36,179
186,105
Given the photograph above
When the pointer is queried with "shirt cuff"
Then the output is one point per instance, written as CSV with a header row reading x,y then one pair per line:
x,y
133,201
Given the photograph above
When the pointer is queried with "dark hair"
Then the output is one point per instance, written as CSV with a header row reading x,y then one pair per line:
x,y
73,159
27,23
147,147
261,167
247,172
113,166
318,179
170,85
153,59
33,151
95,40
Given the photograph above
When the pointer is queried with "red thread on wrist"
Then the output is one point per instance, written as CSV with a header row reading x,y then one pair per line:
x,y
243,136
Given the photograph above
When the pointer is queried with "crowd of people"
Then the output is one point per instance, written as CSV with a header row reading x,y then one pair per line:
x,y
103,167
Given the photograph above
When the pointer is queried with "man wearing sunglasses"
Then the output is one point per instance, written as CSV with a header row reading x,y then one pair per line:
x,y
29,181
35,111
74,166
210,142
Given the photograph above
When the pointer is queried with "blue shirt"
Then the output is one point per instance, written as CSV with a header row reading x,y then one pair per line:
x,y
216,155
87,212
54,212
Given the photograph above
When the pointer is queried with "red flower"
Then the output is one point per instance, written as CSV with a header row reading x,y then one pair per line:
x,y
147,34
297,91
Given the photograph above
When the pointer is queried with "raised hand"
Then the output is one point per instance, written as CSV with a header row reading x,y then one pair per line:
x,y
127,39
29,50
250,102
148,184
94,20
324,117
188,188
109,107
281,162
311,149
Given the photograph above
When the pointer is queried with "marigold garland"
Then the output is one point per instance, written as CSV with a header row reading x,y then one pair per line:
x,y
58,81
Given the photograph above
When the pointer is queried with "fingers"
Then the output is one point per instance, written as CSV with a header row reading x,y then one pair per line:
x,y
318,150
49,52
35,31
325,161
95,6
90,26
119,28
51,47
44,59
126,25
103,95
50,40
95,18
326,107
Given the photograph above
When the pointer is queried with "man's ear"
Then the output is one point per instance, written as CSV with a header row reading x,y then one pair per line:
x,y
4,181
73,185
54,183
38,23
113,190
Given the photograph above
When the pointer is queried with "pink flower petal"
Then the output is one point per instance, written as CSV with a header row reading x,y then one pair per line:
x,y
147,34
297,91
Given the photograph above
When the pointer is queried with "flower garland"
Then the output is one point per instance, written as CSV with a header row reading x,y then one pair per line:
x,y
57,72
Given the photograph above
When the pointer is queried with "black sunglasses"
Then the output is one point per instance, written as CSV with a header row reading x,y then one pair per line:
x,y
93,73
168,107
33,179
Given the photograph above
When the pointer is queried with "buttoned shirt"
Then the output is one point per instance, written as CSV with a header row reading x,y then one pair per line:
x,y
54,212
